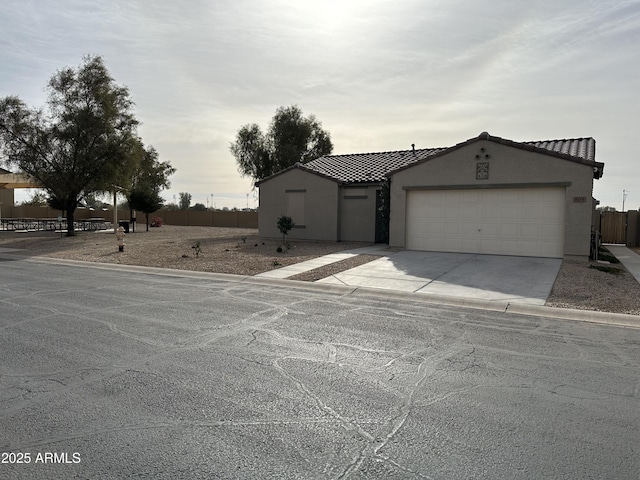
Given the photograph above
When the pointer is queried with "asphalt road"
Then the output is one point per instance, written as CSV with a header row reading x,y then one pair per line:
x,y
112,374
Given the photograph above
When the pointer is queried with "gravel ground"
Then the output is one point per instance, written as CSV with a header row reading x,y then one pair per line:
x,y
582,287
223,250
241,251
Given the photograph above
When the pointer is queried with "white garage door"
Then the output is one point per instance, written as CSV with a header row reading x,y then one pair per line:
x,y
509,221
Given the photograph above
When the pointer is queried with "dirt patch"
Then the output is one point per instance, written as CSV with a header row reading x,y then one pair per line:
x,y
333,268
223,250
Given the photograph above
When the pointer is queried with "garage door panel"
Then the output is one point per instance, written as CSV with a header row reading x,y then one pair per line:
x,y
469,212
434,211
435,227
510,212
532,212
510,196
467,244
469,197
452,211
552,216
509,247
487,211
509,229
469,228
452,228
528,222
530,230
433,243
490,196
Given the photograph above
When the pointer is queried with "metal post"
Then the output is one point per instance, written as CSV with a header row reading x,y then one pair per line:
x,y
115,210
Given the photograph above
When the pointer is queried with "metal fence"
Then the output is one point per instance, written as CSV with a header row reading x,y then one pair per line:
x,y
209,218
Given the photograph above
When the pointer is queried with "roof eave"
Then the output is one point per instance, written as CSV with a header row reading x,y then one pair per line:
x,y
297,165
597,166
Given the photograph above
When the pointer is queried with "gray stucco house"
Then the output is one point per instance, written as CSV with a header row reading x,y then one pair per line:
x,y
485,195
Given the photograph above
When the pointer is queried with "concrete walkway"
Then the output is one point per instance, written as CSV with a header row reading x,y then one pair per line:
x,y
291,270
628,258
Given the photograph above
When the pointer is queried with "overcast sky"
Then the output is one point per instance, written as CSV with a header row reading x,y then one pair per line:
x,y
379,74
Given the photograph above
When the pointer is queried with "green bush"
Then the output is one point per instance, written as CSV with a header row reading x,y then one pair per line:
x,y
285,224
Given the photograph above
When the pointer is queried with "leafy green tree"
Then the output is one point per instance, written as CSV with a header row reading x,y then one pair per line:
x,y
91,200
146,201
185,200
199,207
291,138
81,143
55,203
37,199
149,177
172,207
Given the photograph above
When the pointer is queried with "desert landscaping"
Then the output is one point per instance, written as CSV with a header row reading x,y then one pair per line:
x,y
243,252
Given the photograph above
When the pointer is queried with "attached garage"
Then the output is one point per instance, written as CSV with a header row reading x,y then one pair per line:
x,y
500,221
494,196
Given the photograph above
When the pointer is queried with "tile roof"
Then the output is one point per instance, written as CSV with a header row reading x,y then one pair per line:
x,y
576,147
366,167
374,167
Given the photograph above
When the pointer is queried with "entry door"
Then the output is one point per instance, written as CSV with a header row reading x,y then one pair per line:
x,y
509,221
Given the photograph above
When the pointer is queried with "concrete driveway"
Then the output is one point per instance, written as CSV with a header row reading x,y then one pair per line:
x,y
486,277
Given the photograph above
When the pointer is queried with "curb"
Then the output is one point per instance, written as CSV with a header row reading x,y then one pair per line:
x,y
591,316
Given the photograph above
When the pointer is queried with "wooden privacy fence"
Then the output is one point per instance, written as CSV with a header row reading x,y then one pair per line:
x,y
620,227
205,219
613,227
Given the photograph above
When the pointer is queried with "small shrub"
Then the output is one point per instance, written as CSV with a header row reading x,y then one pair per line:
x,y
157,222
604,254
276,263
279,250
284,225
244,239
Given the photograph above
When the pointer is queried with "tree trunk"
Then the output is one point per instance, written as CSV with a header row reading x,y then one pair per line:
x,y
70,227
70,209
147,216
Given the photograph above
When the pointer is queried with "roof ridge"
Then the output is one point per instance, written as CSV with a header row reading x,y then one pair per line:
x,y
559,140
383,152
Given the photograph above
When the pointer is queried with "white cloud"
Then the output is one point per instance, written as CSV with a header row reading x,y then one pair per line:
x,y
379,74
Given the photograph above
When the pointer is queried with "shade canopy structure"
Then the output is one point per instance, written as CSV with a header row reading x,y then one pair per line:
x,y
9,180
